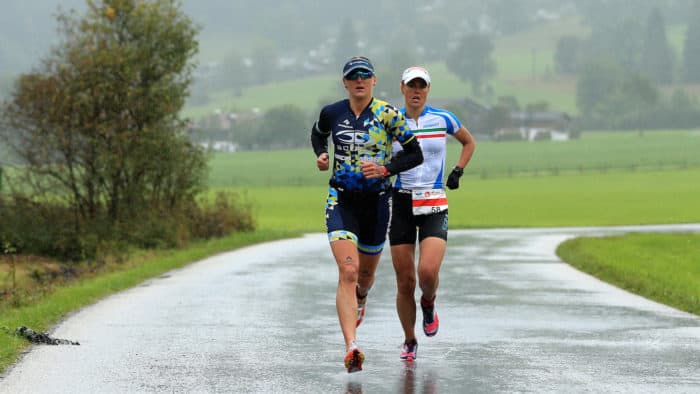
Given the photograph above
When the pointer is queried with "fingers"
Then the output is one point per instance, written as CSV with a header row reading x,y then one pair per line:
x,y
322,162
371,170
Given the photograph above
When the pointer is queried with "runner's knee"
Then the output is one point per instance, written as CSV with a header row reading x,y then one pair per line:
x,y
406,284
348,272
427,277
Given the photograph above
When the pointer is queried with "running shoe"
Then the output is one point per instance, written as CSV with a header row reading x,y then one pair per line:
x,y
431,323
361,305
354,360
409,350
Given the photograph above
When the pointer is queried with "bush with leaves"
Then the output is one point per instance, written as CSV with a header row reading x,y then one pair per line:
x,y
102,151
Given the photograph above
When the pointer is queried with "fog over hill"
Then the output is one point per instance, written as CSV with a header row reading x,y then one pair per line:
x,y
28,28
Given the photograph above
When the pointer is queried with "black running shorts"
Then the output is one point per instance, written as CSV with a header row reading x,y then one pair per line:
x,y
359,217
405,225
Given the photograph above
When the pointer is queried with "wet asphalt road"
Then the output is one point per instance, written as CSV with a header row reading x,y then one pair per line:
x,y
513,317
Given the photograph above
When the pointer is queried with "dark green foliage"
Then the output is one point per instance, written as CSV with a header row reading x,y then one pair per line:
x,y
44,229
281,127
691,46
566,55
596,81
499,118
657,58
346,44
619,43
103,153
509,16
610,98
227,213
471,60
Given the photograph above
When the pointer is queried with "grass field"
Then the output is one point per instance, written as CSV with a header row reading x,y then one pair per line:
x,y
593,153
662,267
601,179
653,197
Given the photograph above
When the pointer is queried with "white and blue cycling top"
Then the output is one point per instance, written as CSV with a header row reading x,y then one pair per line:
x,y
431,129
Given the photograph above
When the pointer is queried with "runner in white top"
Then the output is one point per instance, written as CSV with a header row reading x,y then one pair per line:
x,y
419,205
431,128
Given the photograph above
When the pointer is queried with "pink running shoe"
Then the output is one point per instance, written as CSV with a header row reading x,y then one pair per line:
x,y
409,350
431,323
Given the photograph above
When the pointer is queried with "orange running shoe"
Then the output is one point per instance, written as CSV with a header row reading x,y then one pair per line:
x,y
354,360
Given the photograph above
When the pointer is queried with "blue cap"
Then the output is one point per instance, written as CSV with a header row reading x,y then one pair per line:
x,y
357,63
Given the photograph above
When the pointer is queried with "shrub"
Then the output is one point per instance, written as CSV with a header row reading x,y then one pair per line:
x,y
46,228
226,214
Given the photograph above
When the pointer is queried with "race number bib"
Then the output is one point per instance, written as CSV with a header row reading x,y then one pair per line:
x,y
429,201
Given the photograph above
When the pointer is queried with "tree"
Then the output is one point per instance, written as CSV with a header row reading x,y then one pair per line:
x,y
345,43
432,36
471,60
286,126
265,62
566,54
691,46
233,73
609,97
620,42
389,76
596,81
508,16
657,57
628,106
96,126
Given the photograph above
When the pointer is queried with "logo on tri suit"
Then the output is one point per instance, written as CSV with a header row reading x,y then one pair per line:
x,y
351,139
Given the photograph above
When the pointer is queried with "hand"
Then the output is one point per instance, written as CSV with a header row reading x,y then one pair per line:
x,y
453,179
322,162
373,170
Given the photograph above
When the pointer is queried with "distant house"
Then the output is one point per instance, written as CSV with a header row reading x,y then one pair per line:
x,y
534,126
219,146
513,125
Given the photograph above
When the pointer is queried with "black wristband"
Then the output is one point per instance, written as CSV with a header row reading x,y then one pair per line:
x,y
458,170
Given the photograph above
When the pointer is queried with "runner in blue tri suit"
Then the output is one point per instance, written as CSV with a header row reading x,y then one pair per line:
x,y
358,206
419,205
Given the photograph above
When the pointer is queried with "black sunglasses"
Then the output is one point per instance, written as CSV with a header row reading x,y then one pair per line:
x,y
362,74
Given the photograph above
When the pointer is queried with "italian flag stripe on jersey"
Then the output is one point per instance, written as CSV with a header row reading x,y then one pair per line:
x,y
430,133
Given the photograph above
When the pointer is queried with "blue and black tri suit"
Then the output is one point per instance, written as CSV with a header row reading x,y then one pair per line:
x,y
357,208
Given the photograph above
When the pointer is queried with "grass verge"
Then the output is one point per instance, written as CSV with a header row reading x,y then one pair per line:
x,y
50,309
659,266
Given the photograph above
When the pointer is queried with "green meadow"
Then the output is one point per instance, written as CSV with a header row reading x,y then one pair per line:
x,y
662,267
612,178
593,153
618,198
